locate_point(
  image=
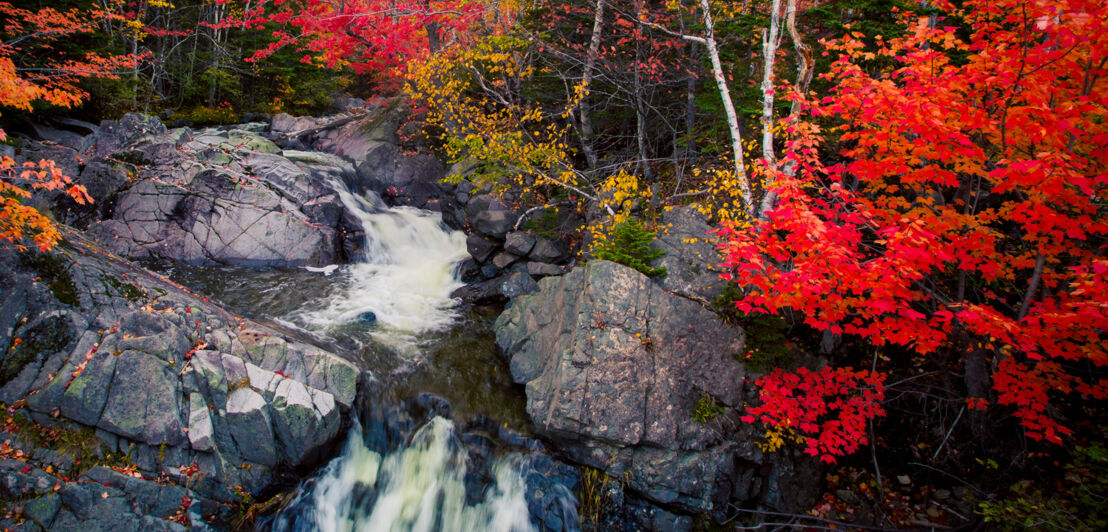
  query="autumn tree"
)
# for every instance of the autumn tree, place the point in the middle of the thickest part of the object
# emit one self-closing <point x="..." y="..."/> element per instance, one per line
<point x="51" y="81"/>
<point x="370" y="36"/>
<point x="963" y="220"/>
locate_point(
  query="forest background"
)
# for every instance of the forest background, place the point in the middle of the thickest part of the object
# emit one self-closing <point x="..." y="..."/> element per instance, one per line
<point x="914" y="192"/>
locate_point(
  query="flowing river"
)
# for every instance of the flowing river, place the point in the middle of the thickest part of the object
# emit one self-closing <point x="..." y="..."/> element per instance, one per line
<point x="392" y="313"/>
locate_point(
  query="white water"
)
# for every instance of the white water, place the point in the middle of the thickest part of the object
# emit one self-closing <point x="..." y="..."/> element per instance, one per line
<point x="419" y="488"/>
<point x="405" y="280"/>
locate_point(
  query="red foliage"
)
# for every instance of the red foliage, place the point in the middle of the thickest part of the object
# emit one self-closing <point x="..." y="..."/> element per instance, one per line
<point x="829" y="407"/>
<point x="370" y="36"/>
<point x="968" y="211"/>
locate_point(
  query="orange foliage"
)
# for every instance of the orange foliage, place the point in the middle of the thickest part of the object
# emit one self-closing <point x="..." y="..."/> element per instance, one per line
<point x="54" y="82"/>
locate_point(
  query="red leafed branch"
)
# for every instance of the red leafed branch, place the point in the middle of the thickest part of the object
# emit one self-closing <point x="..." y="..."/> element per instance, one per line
<point x="967" y="211"/>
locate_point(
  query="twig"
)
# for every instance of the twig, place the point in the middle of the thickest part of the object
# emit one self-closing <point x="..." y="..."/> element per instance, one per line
<point x="956" y="418"/>
<point x="940" y="471"/>
<point x="822" y="520"/>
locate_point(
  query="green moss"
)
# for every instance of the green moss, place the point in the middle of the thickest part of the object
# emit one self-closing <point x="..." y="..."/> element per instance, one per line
<point x="767" y="343"/>
<point x="78" y="442"/>
<point x="53" y="268"/>
<point x="127" y="290"/>
<point x="545" y="225"/>
<point x="1075" y="503"/>
<point x="27" y="346"/>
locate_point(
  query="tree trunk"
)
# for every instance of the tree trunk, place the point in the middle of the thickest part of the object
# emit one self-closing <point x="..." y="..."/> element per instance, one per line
<point x="728" y="109"/>
<point x="583" y="120"/>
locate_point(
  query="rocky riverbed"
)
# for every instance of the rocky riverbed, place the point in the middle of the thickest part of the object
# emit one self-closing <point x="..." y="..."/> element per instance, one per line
<point x="235" y="374"/>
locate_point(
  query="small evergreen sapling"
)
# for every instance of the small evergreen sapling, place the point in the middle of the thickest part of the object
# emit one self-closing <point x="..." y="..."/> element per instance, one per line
<point x="629" y="245"/>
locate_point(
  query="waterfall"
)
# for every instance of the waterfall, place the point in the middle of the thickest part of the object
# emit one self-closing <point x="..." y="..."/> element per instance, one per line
<point x="418" y="488"/>
<point x="399" y="292"/>
<point x="403" y="283"/>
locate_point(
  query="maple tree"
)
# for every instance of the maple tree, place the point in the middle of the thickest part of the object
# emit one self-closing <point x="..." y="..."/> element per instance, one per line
<point x="381" y="37"/>
<point x="52" y="81"/>
<point x="965" y="215"/>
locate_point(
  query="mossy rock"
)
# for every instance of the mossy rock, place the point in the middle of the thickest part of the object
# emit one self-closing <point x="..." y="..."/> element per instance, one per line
<point x="42" y="339"/>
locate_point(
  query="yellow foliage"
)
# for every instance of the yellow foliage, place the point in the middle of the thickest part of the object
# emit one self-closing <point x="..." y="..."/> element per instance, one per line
<point x="777" y="436"/>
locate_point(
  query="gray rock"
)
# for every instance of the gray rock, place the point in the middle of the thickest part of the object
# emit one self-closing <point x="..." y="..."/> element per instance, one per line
<point x="301" y="428"/>
<point x="144" y="401"/>
<point x="200" y="424"/>
<point x="543" y="269"/>
<point x="250" y="426"/>
<point x="614" y="366"/>
<point x="479" y="248"/>
<point x="547" y="250"/>
<point x="494" y="224"/>
<point x="519" y="243"/>
<point x="115" y="135"/>
<point x="503" y="260"/>
<point x="691" y="258"/>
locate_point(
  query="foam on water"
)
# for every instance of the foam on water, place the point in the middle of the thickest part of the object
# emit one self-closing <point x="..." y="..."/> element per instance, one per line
<point x="419" y="488"/>
<point x="404" y="282"/>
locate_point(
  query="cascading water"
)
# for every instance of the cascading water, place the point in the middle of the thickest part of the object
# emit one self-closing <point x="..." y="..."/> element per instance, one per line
<point x="421" y="487"/>
<point x="404" y="283"/>
<point x="403" y="287"/>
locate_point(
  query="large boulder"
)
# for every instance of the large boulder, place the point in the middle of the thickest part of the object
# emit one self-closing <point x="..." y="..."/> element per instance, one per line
<point x="161" y="375"/>
<point x="616" y="370"/>
<point x="214" y="197"/>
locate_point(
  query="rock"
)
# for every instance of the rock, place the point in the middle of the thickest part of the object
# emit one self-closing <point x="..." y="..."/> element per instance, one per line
<point x="519" y="243"/>
<point x="302" y="421"/>
<point x="249" y="422"/>
<point x="143" y="403"/>
<point x="114" y="135"/>
<point x="285" y="123"/>
<point x="691" y="257"/>
<point x="503" y="260"/>
<point x="128" y="367"/>
<point x="480" y="248"/>
<point x="614" y="367"/>
<point x="547" y="250"/>
<point x="494" y="224"/>
<point x="517" y="284"/>
<point x="542" y="269"/>
<point x="219" y="197"/>
<point x="498" y="290"/>
<point x="200" y="424"/>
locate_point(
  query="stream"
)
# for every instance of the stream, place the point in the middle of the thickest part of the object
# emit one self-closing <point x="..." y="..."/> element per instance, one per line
<point x="465" y="463"/>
